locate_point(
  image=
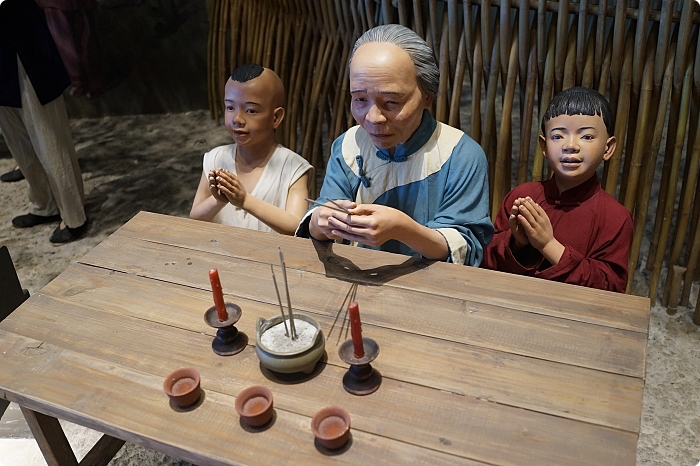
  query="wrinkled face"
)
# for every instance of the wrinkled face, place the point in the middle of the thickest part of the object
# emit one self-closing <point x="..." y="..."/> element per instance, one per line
<point x="386" y="99"/>
<point x="249" y="114"/>
<point x="574" y="146"/>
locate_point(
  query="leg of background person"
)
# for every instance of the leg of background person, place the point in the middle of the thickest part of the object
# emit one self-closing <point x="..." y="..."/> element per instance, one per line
<point x="18" y="142"/>
<point x="49" y="131"/>
<point x="61" y="24"/>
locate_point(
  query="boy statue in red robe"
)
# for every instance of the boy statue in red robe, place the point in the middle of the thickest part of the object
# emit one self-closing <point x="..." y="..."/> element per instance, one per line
<point x="567" y="228"/>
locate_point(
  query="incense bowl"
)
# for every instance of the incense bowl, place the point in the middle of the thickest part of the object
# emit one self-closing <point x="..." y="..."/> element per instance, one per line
<point x="286" y="362"/>
<point x="182" y="386"/>
<point x="254" y="404"/>
<point x="331" y="427"/>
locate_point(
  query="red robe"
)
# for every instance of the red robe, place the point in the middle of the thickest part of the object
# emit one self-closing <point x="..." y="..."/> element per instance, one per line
<point x="594" y="228"/>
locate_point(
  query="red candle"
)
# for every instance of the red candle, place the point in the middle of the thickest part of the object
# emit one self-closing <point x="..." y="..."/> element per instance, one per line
<point x="218" y="295"/>
<point x="356" y="329"/>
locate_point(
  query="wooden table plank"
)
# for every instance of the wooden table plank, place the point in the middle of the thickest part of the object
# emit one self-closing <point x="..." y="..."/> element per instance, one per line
<point x="512" y="291"/>
<point x="209" y="434"/>
<point x="577" y="393"/>
<point x="415" y="415"/>
<point x="524" y="333"/>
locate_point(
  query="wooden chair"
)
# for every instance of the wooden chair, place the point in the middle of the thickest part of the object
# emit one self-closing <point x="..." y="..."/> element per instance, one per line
<point x="12" y="295"/>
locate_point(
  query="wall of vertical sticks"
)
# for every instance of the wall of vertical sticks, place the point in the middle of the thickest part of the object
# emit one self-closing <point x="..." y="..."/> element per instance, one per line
<point x="501" y="63"/>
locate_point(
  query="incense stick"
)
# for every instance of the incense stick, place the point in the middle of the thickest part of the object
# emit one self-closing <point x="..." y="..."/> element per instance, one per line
<point x="289" y="301"/>
<point x="279" y="300"/>
<point x="338" y="209"/>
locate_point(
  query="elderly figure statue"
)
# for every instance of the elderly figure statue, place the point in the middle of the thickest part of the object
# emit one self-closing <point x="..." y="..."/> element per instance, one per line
<point x="411" y="185"/>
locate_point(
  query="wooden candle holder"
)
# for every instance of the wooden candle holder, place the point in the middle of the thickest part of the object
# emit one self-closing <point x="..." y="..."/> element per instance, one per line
<point x="361" y="378"/>
<point x="229" y="340"/>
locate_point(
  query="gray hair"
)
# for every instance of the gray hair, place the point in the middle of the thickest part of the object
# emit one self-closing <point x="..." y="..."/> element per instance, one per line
<point x="427" y="72"/>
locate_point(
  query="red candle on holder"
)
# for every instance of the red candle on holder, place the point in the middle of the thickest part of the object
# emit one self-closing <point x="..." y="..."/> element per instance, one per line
<point x="218" y="295"/>
<point x="356" y="330"/>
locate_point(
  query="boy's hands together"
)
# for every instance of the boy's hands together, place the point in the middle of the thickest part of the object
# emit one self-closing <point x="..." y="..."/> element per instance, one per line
<point x="520" y="239"/>
<point x="370" y="224"/>
<point x="228" y="186"/>
<point x="534" y="222"/>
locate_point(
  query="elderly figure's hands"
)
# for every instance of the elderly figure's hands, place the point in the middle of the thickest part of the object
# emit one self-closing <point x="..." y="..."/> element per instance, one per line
<point x="369" y="224"/>
<point x="319" y="227"/>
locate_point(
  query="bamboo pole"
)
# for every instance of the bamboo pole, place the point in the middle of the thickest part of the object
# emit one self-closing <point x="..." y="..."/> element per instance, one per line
<point x="645" y="192"/>
<point x="469" y="29"/>
<point x="490" y="120"/>
<point x="529" y="110"/>
<point x="640" y="44"/>
<point x="418" y="18"/>
<point x="501" y="185"/>
<point x="677" y="273"/>
<point x="618" y="48"/>
<point x="542" y="42"/>
<point x="670" y="194"/>
<point x="581" y="42"/>
<point x="588" y="73"/>
<point x="403" y="13"/>
<point x="569" y="76"/>
<point x="457" y="84"/>
<point x="524" y="32"/>
<point x="453" y="37"/>
<point x="600" y="42"/>
<point x="443" y="62"/>
<point x="641" y="131"/>
<point x="477" y="80"/>
<point x="684" y="30"/>
<point x="561" y="44"/>
<point x="605" y="71"/>
<point x="621" y="117"/>
<point x="487" y="36"/>
<point x="692" y="268"/>
<point x="538" y="167"/>
<point x="505" y="32"/>
<point x="387" y="12"/>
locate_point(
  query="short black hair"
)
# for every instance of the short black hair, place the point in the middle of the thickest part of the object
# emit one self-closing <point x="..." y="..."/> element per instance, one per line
<point x="245" y="73"/>
<point x="581" y="101"/>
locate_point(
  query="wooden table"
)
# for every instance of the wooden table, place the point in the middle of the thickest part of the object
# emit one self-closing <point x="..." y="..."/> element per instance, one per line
<point x="479" y="367"/>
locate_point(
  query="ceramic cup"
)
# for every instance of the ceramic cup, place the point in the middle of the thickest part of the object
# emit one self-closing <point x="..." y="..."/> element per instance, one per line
<point x="182" y="386"/>
<point x="254" y="404"/>
<point x="331" y="427"/>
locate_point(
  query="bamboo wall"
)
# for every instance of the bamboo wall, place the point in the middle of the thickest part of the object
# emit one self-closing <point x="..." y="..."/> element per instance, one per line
<point x="501" y="62"/>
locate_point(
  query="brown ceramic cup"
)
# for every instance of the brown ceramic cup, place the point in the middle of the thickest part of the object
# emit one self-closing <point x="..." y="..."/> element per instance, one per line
<point x="254" y="404"/>
<point x="182" y="386"/>
<point x="331" y="427"/>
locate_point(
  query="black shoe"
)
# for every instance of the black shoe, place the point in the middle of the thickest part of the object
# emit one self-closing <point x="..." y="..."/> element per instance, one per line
<point x="68" y="234"/>
<point x="14" y="175"/>
<point x="31" y="220"/>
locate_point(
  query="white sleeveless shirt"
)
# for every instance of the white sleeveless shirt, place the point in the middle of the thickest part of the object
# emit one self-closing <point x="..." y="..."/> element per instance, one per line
<point x="283" y="169"/>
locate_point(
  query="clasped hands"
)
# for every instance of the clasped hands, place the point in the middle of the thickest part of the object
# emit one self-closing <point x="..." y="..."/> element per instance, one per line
<point x="530" y="224"/>
<point x="370" y="224"/>
<point x="225" y="187"/>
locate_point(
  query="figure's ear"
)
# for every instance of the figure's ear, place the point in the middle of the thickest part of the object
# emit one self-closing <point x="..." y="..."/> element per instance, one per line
<point x="428" y="101"/>
<point x="543" y="145"/>
<point x="610" y="145"/>
<point x="277" y="117"/>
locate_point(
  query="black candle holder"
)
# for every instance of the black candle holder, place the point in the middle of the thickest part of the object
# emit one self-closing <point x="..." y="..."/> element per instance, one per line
<point x="229" y="340"/>
<point x="361" y="378"/>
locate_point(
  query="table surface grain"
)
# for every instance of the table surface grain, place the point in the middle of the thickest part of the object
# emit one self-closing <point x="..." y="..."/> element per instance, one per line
<point x="479" y="367"/>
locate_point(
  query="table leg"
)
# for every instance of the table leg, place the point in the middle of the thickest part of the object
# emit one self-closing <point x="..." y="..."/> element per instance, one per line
<point x="3" y="406"/>
<point x="50" y="437"/>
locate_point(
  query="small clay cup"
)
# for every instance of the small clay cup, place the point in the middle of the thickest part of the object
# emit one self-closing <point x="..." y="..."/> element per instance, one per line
<point x="331" y="427"/>
<point x="182" y="386"/>
<point x="254" y="404"/>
